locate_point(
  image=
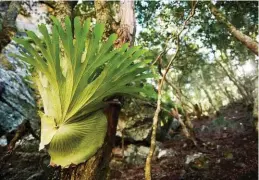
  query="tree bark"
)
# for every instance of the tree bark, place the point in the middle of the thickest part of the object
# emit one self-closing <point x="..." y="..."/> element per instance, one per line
<point x="246" y="40"/>
<point x="126" y="31"/>
<point x="103" y="15"/>
<point x="9" y="27"/>
<point x="61" y="9"/>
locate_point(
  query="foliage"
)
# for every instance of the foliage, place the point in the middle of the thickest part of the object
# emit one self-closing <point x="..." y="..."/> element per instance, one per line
<point x="77" y="72"/>
<point x="220" y="122"/>
<point x="203" y="44"/>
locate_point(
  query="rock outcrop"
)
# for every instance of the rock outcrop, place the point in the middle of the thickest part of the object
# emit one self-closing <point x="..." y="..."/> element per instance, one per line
<point x="17" y="102"/>
<point x="135" y="120"/>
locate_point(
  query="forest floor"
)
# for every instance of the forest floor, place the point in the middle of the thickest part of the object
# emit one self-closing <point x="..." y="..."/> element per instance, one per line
<point x="227" y="150"/>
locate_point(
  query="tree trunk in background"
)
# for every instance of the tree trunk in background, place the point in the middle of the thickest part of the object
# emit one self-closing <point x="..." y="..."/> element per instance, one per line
<point x="186" y="123"/>
<point x="242" y="89"/>
<point x="8" y="27"/>
<point x="189" y="125"/>
<point x="239" y="87"/>
<point x="245" y="85"/>
<point x="230" y="96"/>
<point x="126" y="31"/>
<point x="209" y="98"/>
<point x="97" y="167"/>
<point x="246" y="40"/>
<point x="225" y="91"/>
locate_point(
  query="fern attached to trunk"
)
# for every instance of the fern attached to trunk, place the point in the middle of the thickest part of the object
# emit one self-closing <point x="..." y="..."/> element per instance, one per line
<point x="77" y="71"/>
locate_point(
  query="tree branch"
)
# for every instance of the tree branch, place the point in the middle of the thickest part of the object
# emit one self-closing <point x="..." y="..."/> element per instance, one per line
<point x="158" y="109"/>
<point x="246" y="40"/>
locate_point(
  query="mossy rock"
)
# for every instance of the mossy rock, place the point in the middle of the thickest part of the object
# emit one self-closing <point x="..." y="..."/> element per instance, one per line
<point x="228" y="155"/>
<point x="5" y="64"/>
<point x="200" y="163"/>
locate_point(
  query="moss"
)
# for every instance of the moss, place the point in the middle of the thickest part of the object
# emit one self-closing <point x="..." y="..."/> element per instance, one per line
<point x="4" y="63"/>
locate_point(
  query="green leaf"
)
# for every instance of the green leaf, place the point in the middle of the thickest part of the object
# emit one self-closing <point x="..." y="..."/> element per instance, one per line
<point x="48" y="129"/>
<point x="73" y="143"/>
<point x="76" y="72"/>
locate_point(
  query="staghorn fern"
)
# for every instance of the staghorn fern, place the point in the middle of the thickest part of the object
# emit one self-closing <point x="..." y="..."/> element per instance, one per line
<point x="75" y="74"/>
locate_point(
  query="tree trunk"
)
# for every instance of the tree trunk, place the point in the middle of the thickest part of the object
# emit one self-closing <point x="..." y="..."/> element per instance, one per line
<point x="97" y="167"/>
<point x="246" y="40"/>
<point x="198" y="111"/>
<point x="209" y="98"/>
<point x="187" y="125"/>
<point x="239" y="87"/>
<point x="103" y="15"/>
<point x="126" y="31"/>
<point x="230" y="96"/>
<point x="61" y="9"/>
<point x="225" y="91"/>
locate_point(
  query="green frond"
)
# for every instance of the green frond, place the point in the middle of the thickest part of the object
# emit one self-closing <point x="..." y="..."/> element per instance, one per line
<point x="77" y="71"/>
<point x="78" y="141"/>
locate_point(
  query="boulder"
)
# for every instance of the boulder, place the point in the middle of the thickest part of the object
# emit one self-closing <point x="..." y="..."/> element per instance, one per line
<point x="17" y="102"/>
<point x="135" y="120"/>
<point x="136" y="154"/>
<point x="197" y="161"/>
<point x="166" y="153"/>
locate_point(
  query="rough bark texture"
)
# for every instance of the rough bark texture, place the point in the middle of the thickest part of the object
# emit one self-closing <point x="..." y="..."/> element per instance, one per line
<point x="104" y="15"/>
<point x="246" y="40"/>
<point x="102" y="11"/>
<point x="8" y="26"/>
<point x="127" y="29"/>
<point x="61" y="9"/>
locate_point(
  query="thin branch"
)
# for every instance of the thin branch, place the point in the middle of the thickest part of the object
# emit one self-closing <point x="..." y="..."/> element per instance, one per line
<point x="158" y="109"/>
<point x="179" y="94"/>
<point x="166" y="49"/>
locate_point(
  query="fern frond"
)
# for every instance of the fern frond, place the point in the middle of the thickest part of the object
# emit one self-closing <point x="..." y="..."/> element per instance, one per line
<point x="76" y="72"/>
